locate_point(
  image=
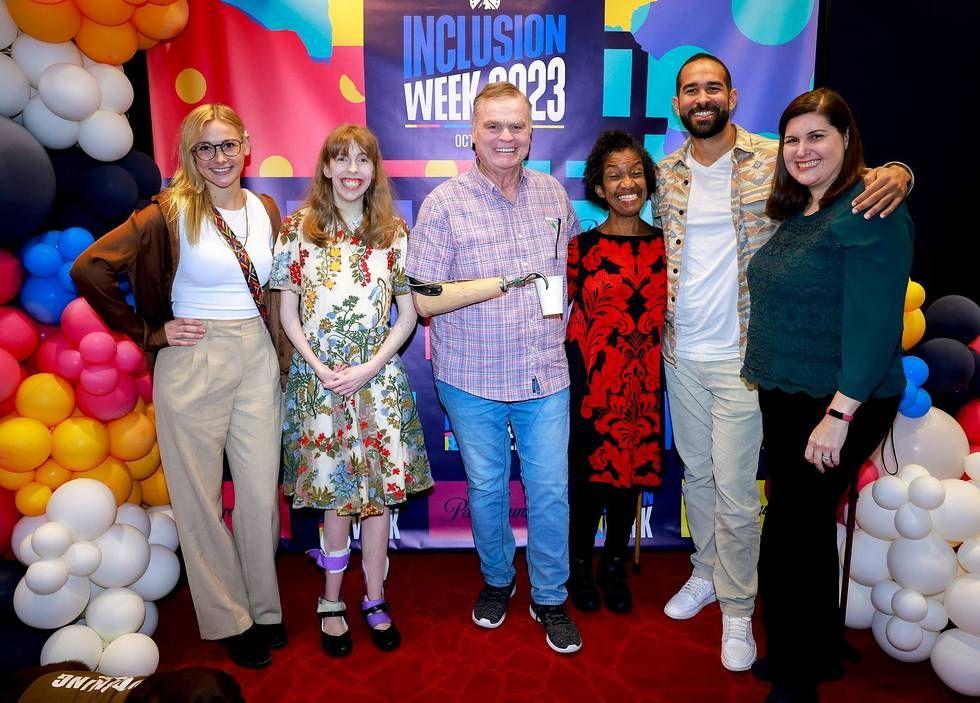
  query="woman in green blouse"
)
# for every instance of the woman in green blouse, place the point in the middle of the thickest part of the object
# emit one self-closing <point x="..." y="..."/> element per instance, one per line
<point x="824" y="348"/>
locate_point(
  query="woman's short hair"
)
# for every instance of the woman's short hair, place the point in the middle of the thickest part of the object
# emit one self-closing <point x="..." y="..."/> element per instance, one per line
<point x="788" y="197"/>
<point x="610" y="142"/>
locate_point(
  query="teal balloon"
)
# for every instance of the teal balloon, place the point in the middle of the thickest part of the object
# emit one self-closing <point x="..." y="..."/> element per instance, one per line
<point x="764" y="24"/>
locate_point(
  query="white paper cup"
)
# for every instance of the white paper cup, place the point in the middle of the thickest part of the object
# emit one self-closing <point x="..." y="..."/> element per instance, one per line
<point x="552" y="297"/>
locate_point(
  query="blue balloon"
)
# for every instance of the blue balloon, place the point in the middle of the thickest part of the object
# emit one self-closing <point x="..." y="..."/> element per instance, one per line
<point x="51" y="237"/>
<point x="124" y="285"/>
<point x="921" y="405"/>
<point x="916" y="370"/>
<point x="64" y="278"/>
<point x="131" y="301"/>
<point x="73" y="241"/>
<point x="44" y="299"/>
<point x="42" y="260"/>
<point x="908" y="396"/>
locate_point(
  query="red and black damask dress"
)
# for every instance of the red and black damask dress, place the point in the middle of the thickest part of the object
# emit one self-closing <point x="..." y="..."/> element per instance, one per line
<point x="617" y="286"/>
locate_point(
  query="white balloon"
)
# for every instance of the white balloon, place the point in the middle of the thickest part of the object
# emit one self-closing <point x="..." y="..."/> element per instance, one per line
<point x="963" y="603"/>
<point x="841" y="535"/>
<point x="134" y="654"/>
<point x="48" y="612"/>
<point x="25" y="529"/>
<point x="46" y="576"/>
<point x="69" y="91"/>
<point x="910" y="605"/>
<point x="925" y="565"/>
<point x="906" y="636"/>
<point x="869" y="561"/>
<point x="15" y="89"/>
<point x="51" y="540"/>
<point x="859" y="607"/>
<point x="83" y="505"/>
<point x="94" y="590"/>
<point x="27" y="554"/>
<point x="927" y="492"/>
<point x="34" y="55"/>
<point x="151" y="620"/>
<point x="163" y="530"/>
<point x="117" y="91"/>
<point x="936" y="618"/>
<point x="52" y="131"/>
<point x="73" y="643"/>
<point x="125" y="556"/>
<point x="910" y="472"/>
<point x="958" y="518"/>
<point x="134" y="515"/>
<point x="878" y="625"/>
<point x="882" y="594"/>
<point x="115" y="612"/>
<point x="971" y="465"/>
<point x="968" y="555"/>
<point x="912" y="522"/>
<point x="956" y="661"/>
<point x="871" y="517"/>
<point x="83" y="558"/>
<point x="935" y="440"/>
<point x="890" y="492"/>
<point x="165" y="509"/>
<point x="8" y="29"/>
<point x="105" y="136"/>
<point x="160" y="576"/>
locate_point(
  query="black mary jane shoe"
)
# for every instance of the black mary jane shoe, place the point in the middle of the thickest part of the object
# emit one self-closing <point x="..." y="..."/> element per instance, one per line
<point x="581" y="586"/>
<point x="334" y="645"/>
<point x="612" y="581"/>
<point x="376" y="612"/>
<point x="273" y="634"/>
<point x="248" y="650"/>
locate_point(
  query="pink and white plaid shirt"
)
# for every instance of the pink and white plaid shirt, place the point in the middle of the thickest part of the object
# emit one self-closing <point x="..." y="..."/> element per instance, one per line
<point x="501" y="349"/>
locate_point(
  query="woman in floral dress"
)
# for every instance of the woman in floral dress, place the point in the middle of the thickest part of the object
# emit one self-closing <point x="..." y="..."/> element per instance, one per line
<point x="352" y="439"/>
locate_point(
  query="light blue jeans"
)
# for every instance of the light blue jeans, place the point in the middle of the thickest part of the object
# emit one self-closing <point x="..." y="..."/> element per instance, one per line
<point x="540" y="427"/>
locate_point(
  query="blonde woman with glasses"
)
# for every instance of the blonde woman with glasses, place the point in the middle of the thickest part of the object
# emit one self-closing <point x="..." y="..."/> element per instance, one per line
<point x="199" y="258"/>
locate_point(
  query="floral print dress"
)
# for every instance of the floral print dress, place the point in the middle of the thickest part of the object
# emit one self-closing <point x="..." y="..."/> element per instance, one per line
<point x="360" y="453"/>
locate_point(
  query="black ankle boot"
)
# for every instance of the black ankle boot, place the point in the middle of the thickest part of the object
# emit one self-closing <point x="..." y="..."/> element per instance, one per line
<point x="581" y="586"/>
<point x="612" y="581"/>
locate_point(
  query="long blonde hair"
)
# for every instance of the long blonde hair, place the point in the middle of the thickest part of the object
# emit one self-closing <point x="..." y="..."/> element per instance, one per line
<point x="188" y="192"/>
<point x="322" y="223"/>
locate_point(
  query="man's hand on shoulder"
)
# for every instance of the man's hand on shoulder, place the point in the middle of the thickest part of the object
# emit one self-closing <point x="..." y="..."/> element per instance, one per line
<point x="885" y="188"/>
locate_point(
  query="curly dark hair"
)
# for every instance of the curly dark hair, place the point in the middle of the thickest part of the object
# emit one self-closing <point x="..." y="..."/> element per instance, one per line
<point x="609" y="142"/>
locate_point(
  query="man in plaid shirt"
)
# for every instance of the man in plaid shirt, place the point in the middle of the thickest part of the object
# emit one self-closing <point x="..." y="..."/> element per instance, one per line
<point x="497" y="361"/>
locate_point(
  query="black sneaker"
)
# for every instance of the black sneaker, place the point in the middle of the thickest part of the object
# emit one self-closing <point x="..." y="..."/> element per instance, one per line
<point x="491" y="605"/>
<point x="273" y="634"/>
<point x="248" y="650"/>
<point x="563" y="635"/>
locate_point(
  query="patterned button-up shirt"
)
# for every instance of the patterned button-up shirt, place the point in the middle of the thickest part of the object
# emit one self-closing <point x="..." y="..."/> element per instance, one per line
<point x="753" y="165"/>
<point x="500" y="349"/>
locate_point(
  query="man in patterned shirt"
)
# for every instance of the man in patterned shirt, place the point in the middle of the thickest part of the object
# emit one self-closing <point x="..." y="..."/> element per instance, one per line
<point x="710" y="201"/>
<point x="497" y="361"/>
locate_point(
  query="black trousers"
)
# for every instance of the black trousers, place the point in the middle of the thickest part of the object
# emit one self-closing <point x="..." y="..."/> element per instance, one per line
<point x="587" y="502"/>
<point x="798" y="564"/>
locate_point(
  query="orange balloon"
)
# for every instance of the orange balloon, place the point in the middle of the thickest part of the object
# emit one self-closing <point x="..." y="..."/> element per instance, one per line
<point x="107" y="12"/>
<point x="131" y="437"/>
<point x="114" y="474"/>
<point x="51" y="474"/>
<point x="145" y="466"/>
<point x="80" y="443"/>
<point x="151" y="414"/>
<point x="50" y="22"/>
<point x="155" y="489"/>
<point x="162" y="22"/>
<point x="112" y="45"/>
<point x="162" y="2"/>
<point x="136" y="3"/>
<point x="12" y="480"/>
<point x="136" y="495"/>
<point x="45" y="397"/>
<point x="24" y="444"/>
<point x="32" y="499"/>
<point x="145" y="43"/>
<point x="140" y="406"/>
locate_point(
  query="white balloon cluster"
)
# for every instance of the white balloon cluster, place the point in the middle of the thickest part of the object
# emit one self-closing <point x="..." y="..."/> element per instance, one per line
<point x="63" y="98"/>
<point x="908" y="580"/>
<point x="94" y="570"/>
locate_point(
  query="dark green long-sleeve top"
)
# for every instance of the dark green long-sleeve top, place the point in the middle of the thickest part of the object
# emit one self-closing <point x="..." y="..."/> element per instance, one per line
<point x="828" y="293"/>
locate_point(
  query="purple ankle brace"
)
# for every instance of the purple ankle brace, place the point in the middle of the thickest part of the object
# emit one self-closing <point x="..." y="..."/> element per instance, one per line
<point x="327" y="562"/>
<point x="379" y="616"/>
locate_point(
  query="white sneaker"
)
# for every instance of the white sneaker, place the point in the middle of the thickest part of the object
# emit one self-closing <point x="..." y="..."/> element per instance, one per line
<point x="693" y="596"/>
<point x="737" y="643"/>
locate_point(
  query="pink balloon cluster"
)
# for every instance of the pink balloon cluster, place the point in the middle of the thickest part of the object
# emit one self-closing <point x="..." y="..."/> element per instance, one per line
<point x="109" y="370"/>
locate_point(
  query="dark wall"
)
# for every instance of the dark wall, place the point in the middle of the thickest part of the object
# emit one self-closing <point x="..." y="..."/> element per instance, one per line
<point x="909" y="72"/>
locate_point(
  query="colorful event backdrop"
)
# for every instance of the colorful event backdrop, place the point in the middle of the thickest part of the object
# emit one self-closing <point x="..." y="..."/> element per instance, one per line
<point x="409" y="70"/>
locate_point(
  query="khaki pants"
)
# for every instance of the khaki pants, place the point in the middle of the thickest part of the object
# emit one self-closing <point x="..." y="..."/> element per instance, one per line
<point x="718" y="432"/>
<point x="222" y="395"/>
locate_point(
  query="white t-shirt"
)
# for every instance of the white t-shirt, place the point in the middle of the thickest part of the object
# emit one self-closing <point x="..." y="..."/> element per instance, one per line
<point x="209" y="284"/>
<point x="706" y="314"/>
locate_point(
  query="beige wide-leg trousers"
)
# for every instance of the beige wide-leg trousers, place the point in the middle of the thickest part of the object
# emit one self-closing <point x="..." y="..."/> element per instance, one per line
<point x="222" y="395"/>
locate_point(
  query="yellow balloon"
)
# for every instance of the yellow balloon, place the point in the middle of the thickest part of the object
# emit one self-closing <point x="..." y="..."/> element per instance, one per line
<point x="32" y="499"/>
<point x="114" y="474"/>
<point x="13" y="480"/>
<point x="80" y="443"/>
<point x="24" y="444"/>
<point x="155" y="489"/>
<point x="45" y="397"/>
<point x="136" y="495"/>
<point x="144" y="467"/>
<point x="151" y="414"/>
<point x="913" y="329"/>
<point x="140" y="406"/>
<point x="915" y="295"/>
<point x="51" y="474"/>
<point x="131" y="436"/>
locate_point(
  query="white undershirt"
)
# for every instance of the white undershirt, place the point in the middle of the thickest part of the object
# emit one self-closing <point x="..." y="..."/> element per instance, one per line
<point x="706" y="317"/>
<point x="209" y="284"/>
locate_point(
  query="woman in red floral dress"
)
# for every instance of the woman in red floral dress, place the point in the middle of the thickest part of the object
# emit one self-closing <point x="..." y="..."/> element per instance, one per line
<point x="617" y="286"/>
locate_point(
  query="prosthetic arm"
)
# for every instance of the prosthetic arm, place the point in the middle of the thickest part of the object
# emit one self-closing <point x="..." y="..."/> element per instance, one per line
<point x="437" y="298"/>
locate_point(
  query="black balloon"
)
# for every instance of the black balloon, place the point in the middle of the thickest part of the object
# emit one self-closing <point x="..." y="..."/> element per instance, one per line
<point x="144" y="171"/>
<point x="109" y="192"/>
<point x="69" y="165"/>
<point x="951" y="365"/>
<point x="953" y="316"/>
<point x="74" y="214"/>
<point x="27" y="184"/>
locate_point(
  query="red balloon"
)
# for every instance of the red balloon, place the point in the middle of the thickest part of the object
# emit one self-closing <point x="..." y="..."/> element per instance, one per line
<point x="144" y="384"/>
<point x="97" y="348"/>
<point x="18" y="333"/>
<point x="70" y="364"/>
<point x="111" y="406"/>
<point x="79" y="319"/>
<point x="9" y="515"/>
<point x="46" y="356"/>
<point x="969" y="419"/>
<point x="11" y="276"/>
<point x="99" y="379"/>
<point x="10" y="375"/>
<point x="867" y="473"/>
<point x="129" y="357"/>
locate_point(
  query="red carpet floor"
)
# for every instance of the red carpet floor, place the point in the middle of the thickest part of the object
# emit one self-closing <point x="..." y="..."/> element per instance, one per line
<point x="444" y="657"/>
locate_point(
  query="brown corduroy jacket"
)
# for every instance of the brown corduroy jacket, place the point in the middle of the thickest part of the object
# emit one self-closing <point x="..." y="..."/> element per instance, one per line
<point x="146" y="247"/>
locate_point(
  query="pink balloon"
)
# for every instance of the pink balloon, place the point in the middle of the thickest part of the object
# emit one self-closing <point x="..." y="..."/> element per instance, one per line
<point x="97" y="348"/>
<point x="129" y="357"/>
<point x="70" y="364"/>
<point x="144" y="384"/>
<point x="99" y="379"/>
<point x="10" y="375"/>
<point x="46" y="356"/>
<point x="47" y="331"/>
<point x="111" y="406"/>
<point x="79" y="319"/>
<point x="18" y="332"/>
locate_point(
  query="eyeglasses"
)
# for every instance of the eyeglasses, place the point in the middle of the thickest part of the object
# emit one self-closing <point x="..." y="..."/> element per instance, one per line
<point x="206" y="151"/>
